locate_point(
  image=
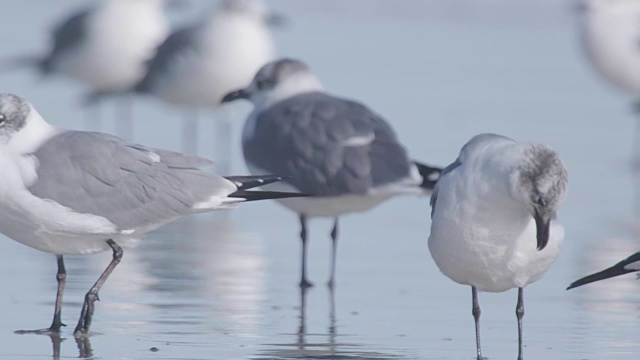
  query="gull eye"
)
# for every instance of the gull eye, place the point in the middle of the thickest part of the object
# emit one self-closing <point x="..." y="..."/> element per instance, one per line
<point x="264" y="84"/>
<point x="3" y="119"/>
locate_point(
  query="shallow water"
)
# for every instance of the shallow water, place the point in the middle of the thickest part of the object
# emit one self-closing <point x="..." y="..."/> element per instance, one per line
<point x="223" y="285"/>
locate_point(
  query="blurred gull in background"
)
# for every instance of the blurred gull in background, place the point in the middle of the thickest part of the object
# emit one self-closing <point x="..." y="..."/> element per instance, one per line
<point x="611" y="36"/>
<point x="75" y="193"/>
<point x="106" y="47"/>
<point x="197" y="65"/>
<point x="338" y="150"/>
<point x="494" y="222"/>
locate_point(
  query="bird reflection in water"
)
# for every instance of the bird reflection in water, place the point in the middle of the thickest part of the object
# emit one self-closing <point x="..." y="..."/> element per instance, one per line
<point x="84" y="346"/>
<point x="305" y="346"/>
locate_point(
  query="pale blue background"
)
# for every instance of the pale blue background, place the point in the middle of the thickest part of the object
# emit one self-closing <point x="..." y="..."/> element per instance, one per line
<point x="223" y="286"/>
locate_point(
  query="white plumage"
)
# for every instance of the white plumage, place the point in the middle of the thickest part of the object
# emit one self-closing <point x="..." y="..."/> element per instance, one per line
<point x="493" y="217"/>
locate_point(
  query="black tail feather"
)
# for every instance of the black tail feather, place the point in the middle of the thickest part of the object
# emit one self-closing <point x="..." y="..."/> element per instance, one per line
<point x="249" y="182"/>
<point x="616" y="270"/>
<point x="264" y="195"/>
<point x="430" y="175"/>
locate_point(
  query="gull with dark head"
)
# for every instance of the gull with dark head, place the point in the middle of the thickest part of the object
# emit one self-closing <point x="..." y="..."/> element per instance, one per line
<point x="493" y="215"/>
<point x="197" y="65"/>
<point x="338" y="150"/>
<point x="72" y="192"/>
<point x="106" y="47"/>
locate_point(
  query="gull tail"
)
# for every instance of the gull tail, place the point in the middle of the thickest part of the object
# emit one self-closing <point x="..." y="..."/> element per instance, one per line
<point x="430" y="175"/>
<point x="249" y="182"/>
<point x="264" y="195"/>
<point x="623" y="267"/>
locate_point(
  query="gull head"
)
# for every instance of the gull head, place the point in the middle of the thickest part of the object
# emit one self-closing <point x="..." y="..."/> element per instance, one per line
<point x="14" y="114"/>
<point x="541" y="182"/>
<point x="255" y="10"/>
<point x="276" y="81"/>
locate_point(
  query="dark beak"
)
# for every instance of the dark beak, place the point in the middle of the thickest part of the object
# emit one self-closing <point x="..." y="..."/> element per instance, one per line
<point x="615" y="270"/>
<point x="543" y="225"/>
<point x="276" y="20"/>
<point x="235" y="95"/>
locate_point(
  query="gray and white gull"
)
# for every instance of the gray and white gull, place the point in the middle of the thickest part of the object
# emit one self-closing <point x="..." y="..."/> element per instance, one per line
<point x="73" y="192"/>
<point x="338" y="150"/>
<point x="494" y="224"/>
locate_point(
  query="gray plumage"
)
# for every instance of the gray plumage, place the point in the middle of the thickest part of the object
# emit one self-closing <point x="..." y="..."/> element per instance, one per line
<point x="544" y="176"/>
<point x="306" y="137"/>
<point x="65" y="37"/>
<point x="130" y="185"/>
<point x="176" y="45"/>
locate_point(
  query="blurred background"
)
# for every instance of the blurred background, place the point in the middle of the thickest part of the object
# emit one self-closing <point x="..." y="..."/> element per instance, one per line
<point x="224" y="285"/>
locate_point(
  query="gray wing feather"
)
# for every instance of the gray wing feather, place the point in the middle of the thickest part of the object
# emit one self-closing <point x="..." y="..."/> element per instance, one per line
<point x="445" y="171"/>
<point x="130" y="185"/>
<point x="66" y="36"/>
<point x="306" y="139"/>
<point x="177" y="44"/>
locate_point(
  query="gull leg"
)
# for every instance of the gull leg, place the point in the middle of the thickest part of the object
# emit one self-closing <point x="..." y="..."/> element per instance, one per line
<point x="334" y="246"/>
<point x="56" y="324"/>
<point x="190" y="133"/>
<point x="222" y="150"/>
<point x="93" y="120"/>
<point x="476" y="316"/>
<point x="520" y="315"/>
<point x="304" y="283"/>
<point x="84" y="323"/>
<point x="124" y="120"/>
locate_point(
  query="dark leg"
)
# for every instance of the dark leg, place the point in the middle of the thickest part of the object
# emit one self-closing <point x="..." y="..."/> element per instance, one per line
<point x="334" y="246"/>
<point x="520" y="315"/>
<point x="303" y="236"/>
<point x="124" y="121"/>
<point x="61" y="277"/>
<point x="222" y="138"/>
<point x="476" y="316"/>
<point x="89" y="300"/>
<point x="93" y="121"/>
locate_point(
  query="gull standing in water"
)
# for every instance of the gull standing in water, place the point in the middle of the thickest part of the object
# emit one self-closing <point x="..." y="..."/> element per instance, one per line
<point x="338" y="150"/>
<point x="73" y="192"/>
<point x="610" y="32"/>
<point x="493" y="218"/>
<point x="628" y="265"/>
<point x="196" y="66"/>
<point x="106" y="47"/>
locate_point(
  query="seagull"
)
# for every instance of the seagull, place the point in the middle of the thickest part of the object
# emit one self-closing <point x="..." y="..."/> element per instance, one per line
<point x="197" y="65"/>
<point x="106" y="46"/>
<point x="628" y="265"/>
<point x="74" y="193"/>
<point x="338" y="150"/>
<point x="493" y="218"/>
<point x="611" y="38"/>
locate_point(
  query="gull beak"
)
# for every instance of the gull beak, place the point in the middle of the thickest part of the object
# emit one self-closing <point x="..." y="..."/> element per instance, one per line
<point x="543" y="224"/>
<point x="276" y="20"/>
<point x="617" y="269"/>
<point x="235" y="95"/>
